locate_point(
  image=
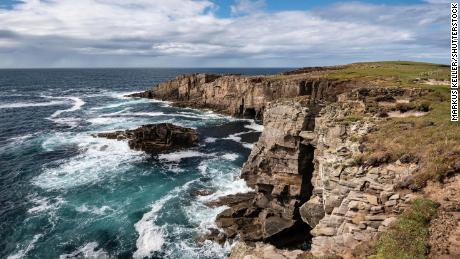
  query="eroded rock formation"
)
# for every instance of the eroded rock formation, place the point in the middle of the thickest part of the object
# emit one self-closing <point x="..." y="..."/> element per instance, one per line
<point x="155" y="138"/>
<point x="309" y="189"/>
<point x="241" y="96"/>
<point x="279" y="168"/>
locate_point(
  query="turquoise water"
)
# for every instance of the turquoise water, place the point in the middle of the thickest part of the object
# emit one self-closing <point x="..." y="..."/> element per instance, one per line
<point x="65" y="194"/>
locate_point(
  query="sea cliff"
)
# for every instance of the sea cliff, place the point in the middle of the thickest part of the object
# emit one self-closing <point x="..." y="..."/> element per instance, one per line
<point x="321" y="185"/>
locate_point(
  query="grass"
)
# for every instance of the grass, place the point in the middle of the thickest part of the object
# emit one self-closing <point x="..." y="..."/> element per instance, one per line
<point x="432" y="138"/>
<point x="394" y="73"/>
<point x="407" y="238"/>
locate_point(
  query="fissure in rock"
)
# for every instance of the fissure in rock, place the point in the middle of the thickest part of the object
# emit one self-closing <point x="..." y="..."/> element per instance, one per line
<point x="298" y="236"/>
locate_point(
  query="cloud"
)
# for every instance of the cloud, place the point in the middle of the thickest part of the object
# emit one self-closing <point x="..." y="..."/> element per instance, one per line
<point x="247" y="6"/>
<point x="189" y="33"/>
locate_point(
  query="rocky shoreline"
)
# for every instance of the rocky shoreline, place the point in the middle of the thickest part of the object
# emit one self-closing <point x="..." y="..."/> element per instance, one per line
<point x="311" y="192"/>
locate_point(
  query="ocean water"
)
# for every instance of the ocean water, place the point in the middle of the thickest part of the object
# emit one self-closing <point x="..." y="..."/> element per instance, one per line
<point x="65" y="194"/>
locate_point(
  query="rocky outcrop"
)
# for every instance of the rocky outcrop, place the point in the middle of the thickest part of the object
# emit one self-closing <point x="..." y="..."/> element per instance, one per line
<point x="279" y="168"/>
<point x="241" y="96"/>
<point x="155" y="138"/>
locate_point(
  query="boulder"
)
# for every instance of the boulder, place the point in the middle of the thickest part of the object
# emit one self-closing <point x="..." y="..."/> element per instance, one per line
<point x="312" y="212"/>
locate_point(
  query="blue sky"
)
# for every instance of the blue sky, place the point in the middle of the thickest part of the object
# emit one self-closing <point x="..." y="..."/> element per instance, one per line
<point x="220" y="33"/>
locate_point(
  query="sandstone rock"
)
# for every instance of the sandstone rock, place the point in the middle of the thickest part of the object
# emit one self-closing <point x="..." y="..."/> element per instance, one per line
<point x="262" y="251"/>
<point x="389" y="221"/>
<point x="241" y="96"/>
<point x="155" y="138"/>
<point x="394" y="197"/>
<point x="376" y="217"/>
<point x="312" y="212"/>
<point x="274" y="225"/>
<point x="372" y="199"/>
<point x="390" y="203"/>
<point x="326" y="231"/>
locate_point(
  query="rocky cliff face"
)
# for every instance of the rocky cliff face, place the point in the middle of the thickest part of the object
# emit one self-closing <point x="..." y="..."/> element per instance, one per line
<point x="351" y="202"/>
<point x="305" y="174"/>
<point x="279" y="168"/>
<point x="241" y="96"/>
<point x="310" y="189"/>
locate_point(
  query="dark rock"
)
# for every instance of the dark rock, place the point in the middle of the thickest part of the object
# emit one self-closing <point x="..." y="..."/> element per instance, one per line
<point x="155" y="138"/>
<point x="385" y="98"/>
<point x="202" y="192"/>
<point x="378" y="159"/>
<point x="408" y="158"/>
<point x="381" y="114"/>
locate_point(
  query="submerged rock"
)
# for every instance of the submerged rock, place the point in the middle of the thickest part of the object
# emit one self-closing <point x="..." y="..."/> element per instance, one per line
<point x="155" y="138"/>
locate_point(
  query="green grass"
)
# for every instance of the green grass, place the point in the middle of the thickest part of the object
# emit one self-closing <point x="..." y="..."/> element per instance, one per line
<point x="395" y="73"/>
<point x="433" y="138"/>
<point x="407" y="238"/>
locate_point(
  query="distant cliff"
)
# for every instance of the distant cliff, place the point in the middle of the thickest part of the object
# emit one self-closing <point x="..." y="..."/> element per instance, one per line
<point x="242" y="96"/>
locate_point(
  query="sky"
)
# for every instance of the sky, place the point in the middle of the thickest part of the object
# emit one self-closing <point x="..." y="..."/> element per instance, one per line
<point x="220" y="33"/>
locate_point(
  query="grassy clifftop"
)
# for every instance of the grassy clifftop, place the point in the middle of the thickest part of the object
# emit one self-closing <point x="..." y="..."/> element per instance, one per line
<point x="416" y="129"/>
<point x="393" y="73"/>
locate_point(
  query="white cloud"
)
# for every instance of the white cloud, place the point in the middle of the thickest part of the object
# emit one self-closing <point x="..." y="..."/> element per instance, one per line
<point x="188" y="33"/>
<point x="247" y="6"/>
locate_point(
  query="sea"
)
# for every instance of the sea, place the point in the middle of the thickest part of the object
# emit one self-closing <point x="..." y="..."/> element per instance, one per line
<point x="67" y="194"/>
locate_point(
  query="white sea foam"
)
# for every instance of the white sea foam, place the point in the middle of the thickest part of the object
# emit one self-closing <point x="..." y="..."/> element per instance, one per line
<point x="94" y="209"/>
<point x="224" y="178"/>
<point x="230" y="156"/>
<point x="24" y="105"/>
<point x="210" y="140"/>
<point x="235" y="137"/>
<point x="177" y="156"/>
<point x="23" y="252"/>
<point x="88" y="250"/>
<point x="70" y="121"/>
<point x="21" y="139"/>
<point x="248" y="145"/>
<point x="99" y="158"/>
<point x="151" y="237"/>
<point x="255" y="126"/>
<point x="44" y="204"/>
<point x="116" y="113"/>
<point x="146" y="114"/>
<point x="77" y="104"/>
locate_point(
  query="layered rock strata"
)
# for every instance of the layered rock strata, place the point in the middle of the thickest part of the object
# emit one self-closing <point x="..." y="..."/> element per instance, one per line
<point x="241" y="96"/>
<point x="310" y="189"/>
<point x="279" y="169"/>
<point x="350" y="202"/>
<point x="306" y="175"/>
<point x="155" y="138"/>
